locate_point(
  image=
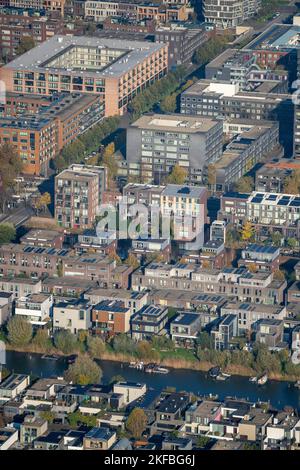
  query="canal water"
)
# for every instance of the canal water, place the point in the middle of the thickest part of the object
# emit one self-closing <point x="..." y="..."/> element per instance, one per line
<point x="279" y="394"/>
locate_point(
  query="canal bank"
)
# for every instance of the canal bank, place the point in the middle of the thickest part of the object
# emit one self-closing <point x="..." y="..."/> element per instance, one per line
<point x="279" y="393"/>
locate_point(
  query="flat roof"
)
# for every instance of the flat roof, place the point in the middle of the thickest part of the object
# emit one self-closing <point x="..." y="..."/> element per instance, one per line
<point x="184" y="191"/>
<point x="175" y="123"/>
<point x="37" y="58"/>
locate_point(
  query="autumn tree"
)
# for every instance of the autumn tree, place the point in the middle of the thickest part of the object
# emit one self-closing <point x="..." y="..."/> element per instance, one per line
<point x="132" y="261"/>
<point x="276" y="238"/>
<point x="178" y="175"/>
<point x="211" y="175"/>
<point x="169" y="103"/>
<point x="292" y="183"/>
<point x="244" y="185"/>
<point x="65" y="341"/>
<point x="247" y="231"/>
<point x="136" y="422"/>
<point x="19" y="331"/>
<point x="278" y="275"/>
<point x="26" y="43"/>
<point x="43" y="201"/>
<point x="83" y="371"/>
<point x="10" y="167"/>
<point x="114" y="256"/>
<point x="41" y="340"/>
<point x="7" y="233"/>
<point x="109" y="161"/>
<point x="95" y="346"/>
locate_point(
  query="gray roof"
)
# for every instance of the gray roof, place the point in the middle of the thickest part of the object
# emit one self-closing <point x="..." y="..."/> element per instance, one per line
<point x="37" y="58"/>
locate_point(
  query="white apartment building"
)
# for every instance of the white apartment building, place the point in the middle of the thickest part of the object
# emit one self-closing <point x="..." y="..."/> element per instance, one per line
<point x="35" y="308"/>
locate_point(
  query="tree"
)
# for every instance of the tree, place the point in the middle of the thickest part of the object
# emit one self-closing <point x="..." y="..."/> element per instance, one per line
<point x="276" y="238"/>
<point x="292" y="183"/>
<point x="132" y="261"/>
<point x="292" y="242"/>
<point x="123" y="344"/>
<point x="278" y="275"/>
<point x="65" y="341"/>
<point x="247" y="231"/>
<point x="114" y="256"/>
<point x="26" y="43"/>
<point x="136" y="422"/>
<point x="41" y="340"/>
<point x="202" y="441"/>
<point x="43" y="201"/>
<point x="83" y="371"/>
<point x="47" y="415"/>
<point x="211" y="175"/>
<point x="116" y="378"/>
<point x="109" y="161"/>
<point x="7" y="233"/>
<point x="169" y="103"/>
<point x="178" y="175"/>
<point x="10" y="167"/>
<point x="19" y="331"/>
<point x="96" y="346"/>
<point x="145" y="351"/>
<point x="204" y="340"/>
<point x="244" y="185"/>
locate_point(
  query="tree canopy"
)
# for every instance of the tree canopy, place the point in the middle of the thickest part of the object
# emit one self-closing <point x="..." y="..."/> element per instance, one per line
<point x="136" y="422"/>
<point x="178" y="175"/>
<point x="7" y="233"/>
<point x="83" y="371"/>
<point x="19" y="331"/>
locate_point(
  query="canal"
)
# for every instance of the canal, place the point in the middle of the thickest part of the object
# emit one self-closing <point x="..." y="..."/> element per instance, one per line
<point x="279" y="393"/>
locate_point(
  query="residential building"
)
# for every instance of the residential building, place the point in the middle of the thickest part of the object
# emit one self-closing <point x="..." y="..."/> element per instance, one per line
<point x="269" y="332"/>
<point x="260" y="257"/>
<point x="73" y="315"/>
<point x="15" y="26"/>
<point x="293" y="292"/>
<point x="6" y="302"/>
<point x="188" y="206"/>
<point x="151" y="320"/>
<point x="32" y="261"/>
<point x="131" y="300"/>
<point x="244" y="152"/>
<point x="144" y="249"/>
<point x="110" y="317"/>
<point x="170" y="412"/>
<point x="157" y="143"/>
<point x="35" y="308"/>
<point x="213" y="99"/>
<point x="43" y="238"/>
<point x="8" y="436"/>
<point x="213" y="255"/>
<point x="253" y="426"/>
<point x="38" y="138"/>
<point x="237" y="283"/>
<point x="147" y="194"/>
<point x="183" y="40"/>
<point x="184" y="329"/>
<point x="131" y="391"/>
<point x="282" y="431"/>
<point x="100" y="269"/>
<point x="13" y="386"/>
<point x="240" y="66"/>
<point x="99" y="439"/>
<point x="78" y="195"/>
<point x="267" y="211"/>
<point x="91" y="241"/>
<point x="248" y="315"/>
<point x="270" y="178"/>
<point x="224" y="331"/>
<point x="230" y="13"/>
<point x="52" y="441"/>
<point x="199" y="415"/>
<point x="20" y="287"/>
<point x="31" y="429"/>
<point x="114" y="69"/>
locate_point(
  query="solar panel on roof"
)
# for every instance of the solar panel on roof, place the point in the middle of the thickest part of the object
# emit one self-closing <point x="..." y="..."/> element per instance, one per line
<point x="282" y="202"/>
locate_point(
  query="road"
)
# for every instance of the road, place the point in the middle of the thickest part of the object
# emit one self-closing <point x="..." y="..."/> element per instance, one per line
<point x="18" y="216"/>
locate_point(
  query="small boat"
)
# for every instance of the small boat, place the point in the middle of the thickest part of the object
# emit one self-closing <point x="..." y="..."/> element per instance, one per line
<point x="222" y="376"/>
<point x="137" y="365"/>
<point x="50" y="357"/>
<point x="160" y="370"/>
<point x="71" y="359"/>
<point x="253" y="379"/>
<point x="262" y="379"/>
<point x="214" y="372"/>
<point x="297" y="384"/>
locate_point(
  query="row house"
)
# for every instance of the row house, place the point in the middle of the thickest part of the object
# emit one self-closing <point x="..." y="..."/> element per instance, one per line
<point x="238" y="283"/>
